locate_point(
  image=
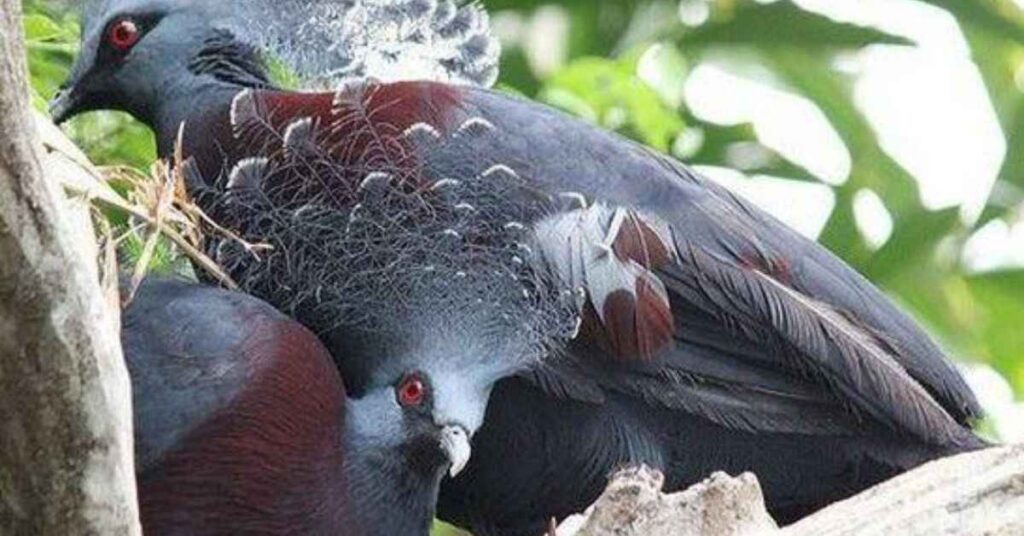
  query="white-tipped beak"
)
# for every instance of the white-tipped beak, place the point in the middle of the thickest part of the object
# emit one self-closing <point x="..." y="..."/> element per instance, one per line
<point x="455" y="443"/>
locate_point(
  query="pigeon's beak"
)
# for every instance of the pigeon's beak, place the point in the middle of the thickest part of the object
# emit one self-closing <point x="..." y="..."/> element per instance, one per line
<point x="76" y="93"/>
<point x="455" y="444"/>
<point x="64" y="105"/>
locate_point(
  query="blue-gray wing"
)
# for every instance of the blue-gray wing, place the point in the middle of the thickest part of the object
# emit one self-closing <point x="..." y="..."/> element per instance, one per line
<point x="695" y="299"/>
<point x="186" y="350"/>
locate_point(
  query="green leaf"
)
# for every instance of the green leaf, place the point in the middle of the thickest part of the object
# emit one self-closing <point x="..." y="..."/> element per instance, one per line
<point x="1008" y="192"/>
<point x="39" y="27"/>
<point x="281" y="75"/>
<point x="515" y="72"/>
<point x="913" y="243"/>
<point x="596" y="28"/>
<point x="721" y="144"/>
<point x="664" y="69"/>
<point x="782" y="23"/>
<point x="610" y="93"/>
<point x="114" y="138"/>
<point x="996" y="320"/>
<point x="812" y="75"/>
<point x="443" y="529"/>
<point x="998" y="60"/>
<point x="998" y="17"/>
<point x="166" y="261"/>
<point x="50" y="32"/>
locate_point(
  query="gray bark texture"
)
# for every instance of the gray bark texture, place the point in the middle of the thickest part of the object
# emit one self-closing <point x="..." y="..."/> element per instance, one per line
<point x="634" y="505"/>
<point x="980" y="493"/>
<point x="66" y="460"/>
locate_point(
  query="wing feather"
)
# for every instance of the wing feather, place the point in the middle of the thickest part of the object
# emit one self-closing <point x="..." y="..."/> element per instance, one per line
<point x="758" y="317"/>
<point x="815" y="340"/>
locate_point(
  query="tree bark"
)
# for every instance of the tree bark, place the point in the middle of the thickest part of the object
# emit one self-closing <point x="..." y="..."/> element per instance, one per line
<point x="633" y="505"/>
<point x="66" y="458"/>
<point x="975" y="493"/>
<point x="979" y="493"/>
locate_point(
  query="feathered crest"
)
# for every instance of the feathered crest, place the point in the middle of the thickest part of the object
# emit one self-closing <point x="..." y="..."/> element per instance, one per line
<point x="368" y="236"/>
<point x="330" y="43"/>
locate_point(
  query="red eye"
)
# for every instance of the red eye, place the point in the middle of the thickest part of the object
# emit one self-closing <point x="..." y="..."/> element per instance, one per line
<point x="123" y="35"/>
<point x="411" y="391"/>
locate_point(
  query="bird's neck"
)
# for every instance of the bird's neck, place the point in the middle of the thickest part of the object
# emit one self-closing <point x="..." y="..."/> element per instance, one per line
<point x="222" y="68"/>
<point x="186" y="105"/>
<point x="393" y="471"/>
<point x="388" y="496"/>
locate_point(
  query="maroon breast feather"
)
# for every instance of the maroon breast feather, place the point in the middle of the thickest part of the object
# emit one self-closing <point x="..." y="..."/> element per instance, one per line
<point x="266" y="462"/>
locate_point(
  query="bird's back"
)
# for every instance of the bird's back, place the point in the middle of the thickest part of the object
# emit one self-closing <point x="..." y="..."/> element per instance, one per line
<point x="238" y="416"/>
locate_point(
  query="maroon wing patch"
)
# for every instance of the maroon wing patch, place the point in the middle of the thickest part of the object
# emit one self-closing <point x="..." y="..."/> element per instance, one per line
<point x="608" y="255"/>
<point x="371" y="127"/>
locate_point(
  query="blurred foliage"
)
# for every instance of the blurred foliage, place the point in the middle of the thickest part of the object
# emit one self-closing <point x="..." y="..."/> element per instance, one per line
<point x="610" y="92"/>
<point x="623" y="65"/>
<point x="976" y="315"/>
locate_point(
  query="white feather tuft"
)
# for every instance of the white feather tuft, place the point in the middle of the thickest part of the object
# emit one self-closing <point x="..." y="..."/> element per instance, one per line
<point x="247" y="174"/>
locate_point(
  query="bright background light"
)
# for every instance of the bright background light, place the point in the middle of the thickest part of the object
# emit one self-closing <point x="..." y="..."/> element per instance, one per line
<point x="927" y="103"/>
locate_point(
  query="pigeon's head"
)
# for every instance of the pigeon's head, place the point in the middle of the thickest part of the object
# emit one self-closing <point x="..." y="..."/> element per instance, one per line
<point x="406" y="419"/>
<point x="136" y="56"/>
<point x="398" y="451"/>
<point x="158" y="59"/>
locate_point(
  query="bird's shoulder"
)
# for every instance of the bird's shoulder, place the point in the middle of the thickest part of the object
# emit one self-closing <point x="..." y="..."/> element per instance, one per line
<point x="197" y="354"/>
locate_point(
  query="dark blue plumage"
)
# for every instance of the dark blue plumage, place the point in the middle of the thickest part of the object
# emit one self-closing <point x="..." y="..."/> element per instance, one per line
<point x="462" y="230"/>
<point x="778" y="358"/>
<point x="242" y="426"/>
<point x="538" y="457"/>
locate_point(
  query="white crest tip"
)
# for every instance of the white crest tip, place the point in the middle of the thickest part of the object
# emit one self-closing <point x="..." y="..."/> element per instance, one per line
<point x="499" y="168"/>
<point x="247" y="173"/>
<point x="421" y="129"/>
<point x="299" y="133"/>
<point x="475" y="124"/>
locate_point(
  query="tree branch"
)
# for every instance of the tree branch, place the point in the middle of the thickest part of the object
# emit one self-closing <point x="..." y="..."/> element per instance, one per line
<point x="66" y="458"/>
<point x="970" y="494"/>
